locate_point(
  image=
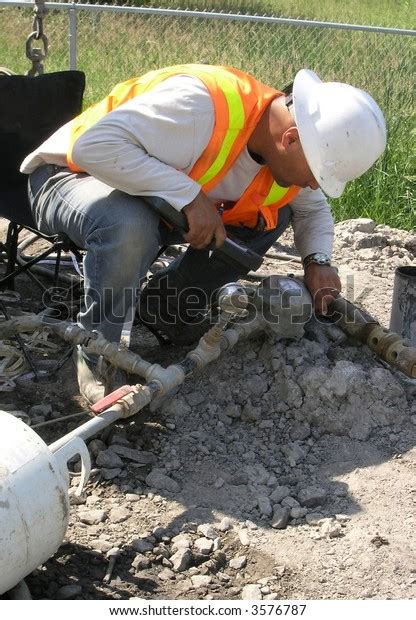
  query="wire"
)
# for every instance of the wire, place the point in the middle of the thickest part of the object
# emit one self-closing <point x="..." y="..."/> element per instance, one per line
<point x="64" y="417"/>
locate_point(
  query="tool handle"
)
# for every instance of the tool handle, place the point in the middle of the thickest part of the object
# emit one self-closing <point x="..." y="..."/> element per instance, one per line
<point x="230" y="251"/>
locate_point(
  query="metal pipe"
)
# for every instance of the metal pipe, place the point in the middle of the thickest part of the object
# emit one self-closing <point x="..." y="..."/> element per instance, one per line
<point x="403" y="307"/>
<point x="72" y="36"/>
<point x="90" y="428"/>
<point x="388" y="345"/>
<point x="94" y="343"/>
<point x="262" y="19"/>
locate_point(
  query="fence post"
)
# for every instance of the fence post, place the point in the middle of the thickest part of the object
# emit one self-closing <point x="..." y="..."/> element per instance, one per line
<point x="72" y="36"/>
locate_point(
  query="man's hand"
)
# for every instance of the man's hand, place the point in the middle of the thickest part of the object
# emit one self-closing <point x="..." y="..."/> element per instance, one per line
<point x="204" y="223"/>
<point x="324" y="285"/>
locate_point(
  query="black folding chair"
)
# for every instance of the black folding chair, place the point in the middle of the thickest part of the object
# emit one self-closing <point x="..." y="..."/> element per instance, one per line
<point x="31" y="109"/>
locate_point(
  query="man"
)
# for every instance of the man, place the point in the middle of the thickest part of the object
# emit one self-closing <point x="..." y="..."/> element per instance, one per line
<point x="233" y="154"/>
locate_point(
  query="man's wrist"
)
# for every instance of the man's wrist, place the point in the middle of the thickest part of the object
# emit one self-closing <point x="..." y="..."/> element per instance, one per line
<point x="317" y="258"/>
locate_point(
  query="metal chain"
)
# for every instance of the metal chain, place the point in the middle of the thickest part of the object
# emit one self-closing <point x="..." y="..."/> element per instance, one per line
<point x="37" y="54"/>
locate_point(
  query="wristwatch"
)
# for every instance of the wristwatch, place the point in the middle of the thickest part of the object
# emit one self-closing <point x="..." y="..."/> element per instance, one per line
<point x="319" y="258"/>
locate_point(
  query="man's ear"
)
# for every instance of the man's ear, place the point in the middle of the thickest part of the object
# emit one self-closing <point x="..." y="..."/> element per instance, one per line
<point x="290" y="136"/>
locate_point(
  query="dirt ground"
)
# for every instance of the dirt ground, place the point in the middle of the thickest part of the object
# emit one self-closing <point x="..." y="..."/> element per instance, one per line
<point x="285" y="470"/>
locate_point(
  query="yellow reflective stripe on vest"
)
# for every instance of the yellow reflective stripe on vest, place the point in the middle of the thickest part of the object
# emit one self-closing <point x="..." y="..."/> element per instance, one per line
<point x="275" y="194"/>
<point x="236" y="119"/>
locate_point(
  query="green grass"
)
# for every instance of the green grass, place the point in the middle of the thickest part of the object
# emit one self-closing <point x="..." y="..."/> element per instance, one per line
<point x="389" y="13"/>
<point x="114" y="48"/>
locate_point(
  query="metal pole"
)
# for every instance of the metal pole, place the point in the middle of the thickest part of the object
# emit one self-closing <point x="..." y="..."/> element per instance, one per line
<point x="403" y="308"/>
<point x="261" y="19"/>
<point x="72" y="37"/>
<point x="90" y="428"/>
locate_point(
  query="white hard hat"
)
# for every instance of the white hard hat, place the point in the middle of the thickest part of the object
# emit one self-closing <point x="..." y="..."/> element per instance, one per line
<point x="341" y="129"/>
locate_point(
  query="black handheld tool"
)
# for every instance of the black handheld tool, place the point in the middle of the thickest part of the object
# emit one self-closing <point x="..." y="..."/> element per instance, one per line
<point x="230" y="251"/>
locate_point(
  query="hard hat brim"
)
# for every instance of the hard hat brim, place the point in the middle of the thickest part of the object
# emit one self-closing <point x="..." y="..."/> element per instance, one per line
<point x="306" y="110"/>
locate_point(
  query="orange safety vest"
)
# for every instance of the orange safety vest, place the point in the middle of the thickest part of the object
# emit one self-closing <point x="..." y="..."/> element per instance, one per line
<point x="239" y="102"/>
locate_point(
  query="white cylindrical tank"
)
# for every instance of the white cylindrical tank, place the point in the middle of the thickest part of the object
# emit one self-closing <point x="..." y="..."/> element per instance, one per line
<point x="34" y="503"/>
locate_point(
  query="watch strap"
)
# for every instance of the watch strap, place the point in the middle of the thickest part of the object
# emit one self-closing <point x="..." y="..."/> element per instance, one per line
<point x="318" y="258"/>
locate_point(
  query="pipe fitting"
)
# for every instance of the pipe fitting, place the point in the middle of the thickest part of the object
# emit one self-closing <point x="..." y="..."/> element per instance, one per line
<point x="167" y="378"/>
<point x="139" y="398"/>
<point x="391" y="348"/>
<point x="205" y="352"/>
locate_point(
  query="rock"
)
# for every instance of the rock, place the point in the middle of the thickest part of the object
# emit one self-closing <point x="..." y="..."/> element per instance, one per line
<point x="182" y="541"/>
<point x="361" y="224"/>
<point x="110" y="474"/>
<point x="207" y="530"/>
<point x="138" y="456"/>
<point x="160" y="532"/>
<point x="108" y="459"/>
<point x="181" y="560"/>
<point x="257" y="385"/>
<point x="92" y="517"/>
<point x="294" y="452"/>
<point x="216" y="544"/>
<point x="166" y="574"/>
<point x="251" y="592"/>
<point x="280" y="518"/>
<point x="240" y="478"/>
<point x="141" y="562"/>
<point x="201" y="581"/>
<point x="265" y="506"/>
<point x="142" y="545"/>
<point x="225" y="525"/>
<point x="341" y="518"/>
<point x="279" y="493"/>
<point x="95" y="446"/>
<point x="195" y="398"/>
<point x="204" y="545"/>
<point x="119" y="514"/>
<point x="103" y="546"/>
<point x="92" y="500"/>
<point x="40" y="410"/>
<point x="331" y="529"/>
<point x="233" y="411"/>
<point x="301" y="431"/>
<point x="132" y="497"/>
<point x="76" y="500"/>
<point x="251" y="525"/>
<point x="312" y="496"/>
<point x="68" y="592"/>
<point x="176" y="407"/>
<point x="314" y="518"/>
<point x="119" y="440"/>
<point x="244" y="537"/>
<point x="290" y="502"/>
<point x="238" y="563"/>
<point x="250" y="413"/>
<point x="297" y="512"/>
<point x="159" y="480"/>
<point x="266" y="424"/>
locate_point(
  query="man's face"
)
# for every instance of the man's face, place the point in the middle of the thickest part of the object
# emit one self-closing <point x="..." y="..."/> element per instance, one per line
<point x="292" y="169"/>
<point x="296" y="172"/>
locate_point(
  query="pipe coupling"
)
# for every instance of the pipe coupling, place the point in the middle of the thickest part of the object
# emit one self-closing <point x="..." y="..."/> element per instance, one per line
<point x="167" y="378"/>
<point x="205" y="353"/>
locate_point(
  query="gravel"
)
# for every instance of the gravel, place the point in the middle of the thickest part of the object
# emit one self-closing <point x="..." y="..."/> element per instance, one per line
<point x="265" y="476"/>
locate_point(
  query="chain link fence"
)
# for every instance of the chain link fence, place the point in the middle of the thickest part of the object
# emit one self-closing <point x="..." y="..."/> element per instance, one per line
<point x="113" y="46"/>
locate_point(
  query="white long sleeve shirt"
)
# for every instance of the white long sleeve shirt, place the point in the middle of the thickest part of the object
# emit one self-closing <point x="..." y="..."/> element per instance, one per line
<point x="148" y="145"/>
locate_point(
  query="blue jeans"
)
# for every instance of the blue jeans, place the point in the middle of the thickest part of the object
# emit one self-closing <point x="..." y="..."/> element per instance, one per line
<point x="121" y="235"/>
